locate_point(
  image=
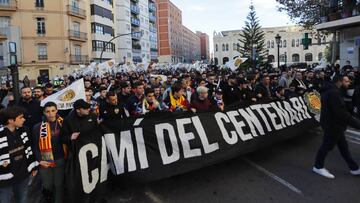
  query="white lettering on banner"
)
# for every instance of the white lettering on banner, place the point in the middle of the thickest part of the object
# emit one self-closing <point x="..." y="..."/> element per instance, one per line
<point x="219" y="117"/>
<point x="258" y="107"/>
<point x="175" y="154"/>
<point x="272" y="116"/>
<point x="305" y="109"/>
<point x="88" y="182"/>
<point x="239" y="125"/>
<point x="186" y="137"/>
<point x="284" y="116"/>
<point x="208" y="148"/>
<point x="118" y="156"/>
<point x="252" y="121"/>
<point x="140" y="143"/>
<point x="104" y="162"/>
<point x="292" y="112"/>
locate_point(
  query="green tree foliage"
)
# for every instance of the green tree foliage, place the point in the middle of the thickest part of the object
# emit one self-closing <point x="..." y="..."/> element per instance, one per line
<point x="303" y="12"/>
<point x="252" y="37"/>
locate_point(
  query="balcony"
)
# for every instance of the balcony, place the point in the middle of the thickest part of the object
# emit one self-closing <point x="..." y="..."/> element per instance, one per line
<point x="135" y="22"/>
<point x="152" y="7"/>
<point x="340" y="14"/>
<point x="152" y="18"/>
<point x="153" y="29"/>
<point x="153" y="49"/>
<point x="136" y="35"/>
<point x="10" y="5"/>
<point x="135" y="9"/>
<point x="77" y="36"/>
<point x="4" y="32"/>
<point x="76" y="11"/>
<point x="79" y="59"/>
<point x="42" y="57"/>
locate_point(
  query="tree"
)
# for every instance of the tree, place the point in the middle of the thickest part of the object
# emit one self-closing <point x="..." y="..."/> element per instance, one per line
<point x="252" y="38"/>
<point x="303" y="12"/>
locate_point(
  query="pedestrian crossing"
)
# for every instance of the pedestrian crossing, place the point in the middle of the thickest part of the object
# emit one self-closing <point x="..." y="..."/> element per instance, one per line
<point x="353" y="136"/>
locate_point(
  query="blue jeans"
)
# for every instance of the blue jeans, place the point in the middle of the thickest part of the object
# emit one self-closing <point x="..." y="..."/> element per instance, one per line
<point x="19" y="190"/>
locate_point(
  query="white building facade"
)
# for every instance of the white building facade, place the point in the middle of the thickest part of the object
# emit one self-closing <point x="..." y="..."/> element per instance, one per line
<point x="139" y="18"/>
<point x="102" y="29"/>
<point x="226" y="45"/>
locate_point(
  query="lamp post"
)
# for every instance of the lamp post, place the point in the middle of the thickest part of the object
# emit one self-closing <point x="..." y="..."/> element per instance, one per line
<point x="278" y="40"/>
<point x="107" y="43"/>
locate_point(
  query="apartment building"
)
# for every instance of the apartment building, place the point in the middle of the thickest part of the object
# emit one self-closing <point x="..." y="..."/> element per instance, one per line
<point x="191" y="46"/>
<point x="205" y="46"/>
<point x="176" y="43"/>
<point x="51" y="36"/>
<point x="101" y="21"/>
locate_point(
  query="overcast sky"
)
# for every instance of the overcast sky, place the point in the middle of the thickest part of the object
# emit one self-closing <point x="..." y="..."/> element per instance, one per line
<point x="219" y="15"/>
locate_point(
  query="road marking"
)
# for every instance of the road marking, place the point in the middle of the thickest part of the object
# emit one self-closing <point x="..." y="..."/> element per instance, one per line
<point x="275" y="177"/>
<point x="352" y="140"/>
<point x="353" y="132"/>
<point x="153" y="197"/>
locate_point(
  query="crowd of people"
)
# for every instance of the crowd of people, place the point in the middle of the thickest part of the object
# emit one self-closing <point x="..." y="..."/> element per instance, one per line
<point x="35" y="138"/>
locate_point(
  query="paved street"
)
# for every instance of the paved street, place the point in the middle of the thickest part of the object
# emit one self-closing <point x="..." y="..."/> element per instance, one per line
<point x="280" y="173"/>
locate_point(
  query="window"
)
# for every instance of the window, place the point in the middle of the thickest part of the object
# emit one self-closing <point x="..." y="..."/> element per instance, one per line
<point x="284" y="44"/>
<point x="293" y="43"/>
<point x="99" y="46"/>
<point x="77" y="49"/>
<point x="280" y="45"/>
<point x="227" y="47"/>
<point x="128" y="27"/>
<point x="102" y="29"/>
<point x="268" y="44"/>
<point x="297" y="43"/>
<point x="234" y="47"/>
<point x="100" y="11"/>
<point x="40" y="23"/>
<point x="223" y="47"/>
<point x="216" y="47"/>
<point x="76" y="26"/>
<point x="99" y="29"/>
<point x="272" y="44"/>
<point x="295" y="57"/>
<point x="308" y="57"/>
<point x="42" y="51"/>
<point x="39" y="3"/>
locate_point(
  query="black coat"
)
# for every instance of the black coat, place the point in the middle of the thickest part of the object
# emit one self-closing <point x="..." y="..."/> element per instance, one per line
<point x="334" y="116"/>
<point x="73" y="123"/>
<point x="33" y="112"/>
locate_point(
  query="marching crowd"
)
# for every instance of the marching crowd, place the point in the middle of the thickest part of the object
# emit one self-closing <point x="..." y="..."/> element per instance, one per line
<point x="38" y="139"/>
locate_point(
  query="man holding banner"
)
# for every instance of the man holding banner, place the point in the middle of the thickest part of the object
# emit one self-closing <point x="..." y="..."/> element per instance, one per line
<point x="49" y="152"/>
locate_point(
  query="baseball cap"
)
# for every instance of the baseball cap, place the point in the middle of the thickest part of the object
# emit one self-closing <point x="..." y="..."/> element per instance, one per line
<point x="81" y="104"/>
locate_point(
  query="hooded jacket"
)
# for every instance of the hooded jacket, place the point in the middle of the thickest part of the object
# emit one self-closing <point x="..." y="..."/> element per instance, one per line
<point x="334" y="116"/>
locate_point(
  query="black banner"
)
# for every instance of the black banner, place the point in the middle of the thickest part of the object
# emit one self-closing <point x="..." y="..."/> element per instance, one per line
<point x="164" y="145"/>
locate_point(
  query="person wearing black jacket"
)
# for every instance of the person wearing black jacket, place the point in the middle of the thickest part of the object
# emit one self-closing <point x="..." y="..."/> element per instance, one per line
<point x="230" y="91"/>
<point x="80" y="122"/>
<point x="334" y="121"/>
<point x="112" y="109"/>
<point x="33" y="112"/>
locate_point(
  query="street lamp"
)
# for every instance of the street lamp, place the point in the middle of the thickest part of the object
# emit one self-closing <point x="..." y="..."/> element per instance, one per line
<point x="278" y="40"/>
<point x="107" y="43"/>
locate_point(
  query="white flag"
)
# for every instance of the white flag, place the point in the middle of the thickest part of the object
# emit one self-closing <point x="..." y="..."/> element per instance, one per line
<point x="235" y="63"/>
<point x="66" y="97"/>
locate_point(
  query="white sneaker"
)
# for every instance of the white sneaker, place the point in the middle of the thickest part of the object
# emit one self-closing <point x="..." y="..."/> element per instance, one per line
<point x="355" y="173"/>
<point x="323" y="172"/>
